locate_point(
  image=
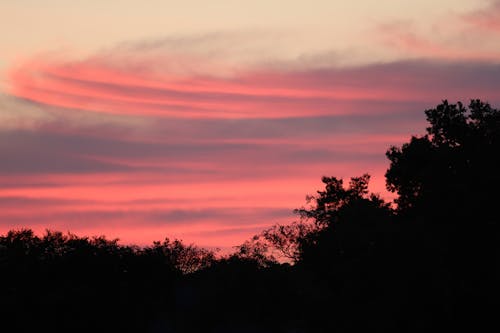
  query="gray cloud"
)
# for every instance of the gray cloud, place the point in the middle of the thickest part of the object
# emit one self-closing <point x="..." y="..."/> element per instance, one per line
<point x="59" y="144"/>
<point x="126" y="216"/>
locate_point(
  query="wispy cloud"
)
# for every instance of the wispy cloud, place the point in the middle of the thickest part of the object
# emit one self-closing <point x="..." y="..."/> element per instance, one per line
<point x="487" y="19"/>
<point x="258" y="94"/>
<point x="455" y="36"/>
<point x="162" y="138"/>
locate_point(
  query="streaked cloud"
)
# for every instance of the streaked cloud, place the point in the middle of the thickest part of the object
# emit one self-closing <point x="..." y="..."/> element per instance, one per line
<point x="487" y="19"/>
<point x="379" y="88"/>
<point x="211" y="137"/>
<point x="456" y="35"/>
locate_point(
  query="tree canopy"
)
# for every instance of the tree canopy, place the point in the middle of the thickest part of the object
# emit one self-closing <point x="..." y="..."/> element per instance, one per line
<point x="454" y="168"/>
<point x="351" y="262"/>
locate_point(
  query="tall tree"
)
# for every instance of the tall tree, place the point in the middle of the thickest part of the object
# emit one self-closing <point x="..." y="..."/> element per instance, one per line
<point x="448" y="182"/>
<point x="451" y="172"/>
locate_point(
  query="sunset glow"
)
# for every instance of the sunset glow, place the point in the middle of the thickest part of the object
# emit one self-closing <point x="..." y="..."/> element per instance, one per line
<point x="215" y="130"/>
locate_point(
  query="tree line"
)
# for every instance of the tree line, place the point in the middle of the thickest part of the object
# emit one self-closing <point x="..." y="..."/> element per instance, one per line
<point x="351" y="262"/>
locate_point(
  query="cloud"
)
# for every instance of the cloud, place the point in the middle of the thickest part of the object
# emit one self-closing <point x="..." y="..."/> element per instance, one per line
<point x="487" y="19"/>
<point x="456" y="36"/>
<point x="377" y="88"/>
<point x="56" y="212"/>
<point x="28" y="152"/>
<point x="127" y="145"/>
<point x="18" y="114"/>
<point x="83" y="216"/>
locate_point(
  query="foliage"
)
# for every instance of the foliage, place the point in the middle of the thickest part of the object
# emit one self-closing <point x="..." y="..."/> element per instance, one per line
<point x="329" y="205"/>
<point x="287" y="239"/>
<point x="184" y="258"/>
<point x="331" y="209"/>
<point x="454" y="167"/>
<point x="358" y="264"/>
<point x="256" y="251"/>
<point x="348" y="220"/>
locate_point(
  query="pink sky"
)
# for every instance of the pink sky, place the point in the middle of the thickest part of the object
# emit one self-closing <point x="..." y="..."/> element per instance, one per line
<point x="212" y="131"/>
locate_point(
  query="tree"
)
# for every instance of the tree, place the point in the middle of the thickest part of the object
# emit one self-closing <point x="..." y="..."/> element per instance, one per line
<point x="453" y="170"/>
<point x="337" y="217"/>
<point x="349" y="221"/>
<point x="286" y="240"/>
<point x="448" y="183"/>
<point x="184" y="258"/>
<point x="329" y="205"/>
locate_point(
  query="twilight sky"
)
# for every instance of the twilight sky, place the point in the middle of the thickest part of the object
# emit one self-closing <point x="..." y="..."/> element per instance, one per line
<point x="211" y="120"/>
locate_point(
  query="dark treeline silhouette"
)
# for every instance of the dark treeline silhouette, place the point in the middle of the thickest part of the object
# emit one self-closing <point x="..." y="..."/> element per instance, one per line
<point x="353" y="262"/>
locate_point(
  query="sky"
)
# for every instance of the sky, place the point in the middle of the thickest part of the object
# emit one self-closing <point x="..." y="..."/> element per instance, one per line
<point x="209" y="121"/>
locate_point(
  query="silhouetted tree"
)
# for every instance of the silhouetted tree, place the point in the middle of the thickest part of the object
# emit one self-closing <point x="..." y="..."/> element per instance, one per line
<point x="352" y="261"/>
<point x="339" y="247"/>
<point x="447" y="183"/>
<point x="256" y="251"/>
<point x="286" y="240"/>
<point x="185" y="258"/>
<point x="451" y="171"/>
<point x="347" y="219"/>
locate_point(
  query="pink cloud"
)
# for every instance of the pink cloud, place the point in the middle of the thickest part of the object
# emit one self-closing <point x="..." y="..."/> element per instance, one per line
<point x="144" y="207"/>
<point x="487" y="19"/>
<point x="464" y="40"/>
<point x="210" y="159"/>
<point x="99" y="87"/>
<point x="196" y="212"/>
